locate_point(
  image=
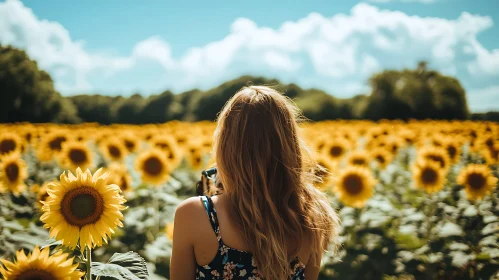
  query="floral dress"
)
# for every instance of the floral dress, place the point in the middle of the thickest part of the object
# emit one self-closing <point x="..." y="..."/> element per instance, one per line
<point x="230" y="263"/>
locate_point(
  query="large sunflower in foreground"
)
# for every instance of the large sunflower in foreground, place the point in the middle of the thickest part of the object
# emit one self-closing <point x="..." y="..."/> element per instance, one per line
<point x="75" y="154"/>
<point x="153" y="166"/>
<point x="477" y="180"/>
<point x="13" y="172"/>
<point x="354" y="186"/>
<point x="10" y="143"/>
<point x="84" y="208"/>
<point x="39" y="265"/>
<point x="428" y="175"/>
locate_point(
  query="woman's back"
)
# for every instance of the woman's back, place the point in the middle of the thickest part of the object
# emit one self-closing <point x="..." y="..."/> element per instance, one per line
<point x="231" y="259"/>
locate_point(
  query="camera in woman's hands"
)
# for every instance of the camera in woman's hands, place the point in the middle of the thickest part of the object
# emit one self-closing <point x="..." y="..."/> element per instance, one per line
<point x="208" y="183"/>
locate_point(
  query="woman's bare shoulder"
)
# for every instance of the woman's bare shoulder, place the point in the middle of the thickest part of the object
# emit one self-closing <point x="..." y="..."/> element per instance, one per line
<point x="190" y="211"/>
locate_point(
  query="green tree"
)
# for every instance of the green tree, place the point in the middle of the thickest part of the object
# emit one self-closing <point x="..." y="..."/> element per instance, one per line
<point x="28" y="94"/>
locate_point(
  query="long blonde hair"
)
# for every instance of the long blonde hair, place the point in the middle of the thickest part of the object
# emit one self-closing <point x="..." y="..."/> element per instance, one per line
<point x="264" y="170"/>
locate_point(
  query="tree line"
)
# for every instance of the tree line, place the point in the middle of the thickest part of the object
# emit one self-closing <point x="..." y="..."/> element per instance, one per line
<point x="28" y="95"/>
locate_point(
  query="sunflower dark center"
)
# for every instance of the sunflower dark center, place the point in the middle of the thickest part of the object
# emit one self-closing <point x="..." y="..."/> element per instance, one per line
<point x="78" y="156"/>
<point x="82" y="206"/>
<point x="35" y="274"/>
<point x="12" y="171"/>
<point x="114" y="151"/>
<point x="123" y="183"/>
<point x="336" y="151"/>
<point x="380" y="159"/>
<point x="429" y="175"/>
<point x="171" y="155"/>
<point x="489" y="142"/>
<point x="130" y="145"/>
<point x="359" y="161"/>
<point x="162" y="145"/>
<point x="56" y="143"/>
<point x="353" y="184"/>
<point x="153" y="166"/>
<point x="476" y="180"/>
<point x="7" y="146"/>
<point x="437" y="158"/>
<point x="452" y="151"/>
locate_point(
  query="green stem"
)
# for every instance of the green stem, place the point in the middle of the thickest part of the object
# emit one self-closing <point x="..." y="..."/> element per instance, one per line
<point x="88" y="261"/>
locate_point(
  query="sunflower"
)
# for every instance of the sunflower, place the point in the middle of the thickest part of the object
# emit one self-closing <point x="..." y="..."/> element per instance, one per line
<point x="75" y="154"/>
<point x="169" y="231"/>
<point x="428" y="176"/>
<point x="336" y="148"/>
<point x="477" y="180"/>
<point x="153" y="166"/>
<point x="50" y="145"/>
<point x="194" y="156"/>
<point x="119" y="175"/>
<point x="381" y="156"/>
<point x="42" y="194"/>
<point x="13" y="172"/>
<point x="453" y="151"/>
<point x="169" y="146"/>
<point x="490" y="154"/>
<point x="438" y="155"/>
<point x="113" y="149"/>
<point x="354" y="186"/>
<point x="360" y="158"/>
<point x="39" y="265"/>
<point x="323" y="172"/>
<point x="84" y="208"/>
<point x="131" y="142"/>
<point x="10" y="143"/>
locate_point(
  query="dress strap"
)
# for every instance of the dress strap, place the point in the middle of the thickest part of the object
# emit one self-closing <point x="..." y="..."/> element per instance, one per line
<point x="212" y="215"/>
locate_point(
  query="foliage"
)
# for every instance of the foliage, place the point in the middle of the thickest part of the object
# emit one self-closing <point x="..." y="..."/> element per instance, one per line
<point x="420" y="93"/>
<point x="28" y="94"/>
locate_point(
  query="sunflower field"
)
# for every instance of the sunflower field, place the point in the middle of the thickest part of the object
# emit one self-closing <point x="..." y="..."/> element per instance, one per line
<point x="417" y="199"/>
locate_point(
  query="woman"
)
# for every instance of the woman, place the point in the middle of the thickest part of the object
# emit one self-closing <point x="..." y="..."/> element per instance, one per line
<point x="270" y="222"/>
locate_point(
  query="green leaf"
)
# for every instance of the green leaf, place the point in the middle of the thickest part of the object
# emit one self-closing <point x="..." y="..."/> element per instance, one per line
<point x="128" y="266"/>
<point x="52" y="242"/>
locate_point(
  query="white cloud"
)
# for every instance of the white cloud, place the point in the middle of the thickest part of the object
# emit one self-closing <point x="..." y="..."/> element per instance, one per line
<point x="156" y="49"/>
<point x="334" y="53"/>
<point x="51" y="45"/>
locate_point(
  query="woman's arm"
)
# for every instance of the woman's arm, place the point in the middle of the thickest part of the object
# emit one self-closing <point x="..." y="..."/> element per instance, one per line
<point x="312" y="270"/>
<point x="183" y="261"/>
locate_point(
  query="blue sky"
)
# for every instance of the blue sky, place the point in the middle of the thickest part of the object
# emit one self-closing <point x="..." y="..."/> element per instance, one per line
<point x="121" y="47"/>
